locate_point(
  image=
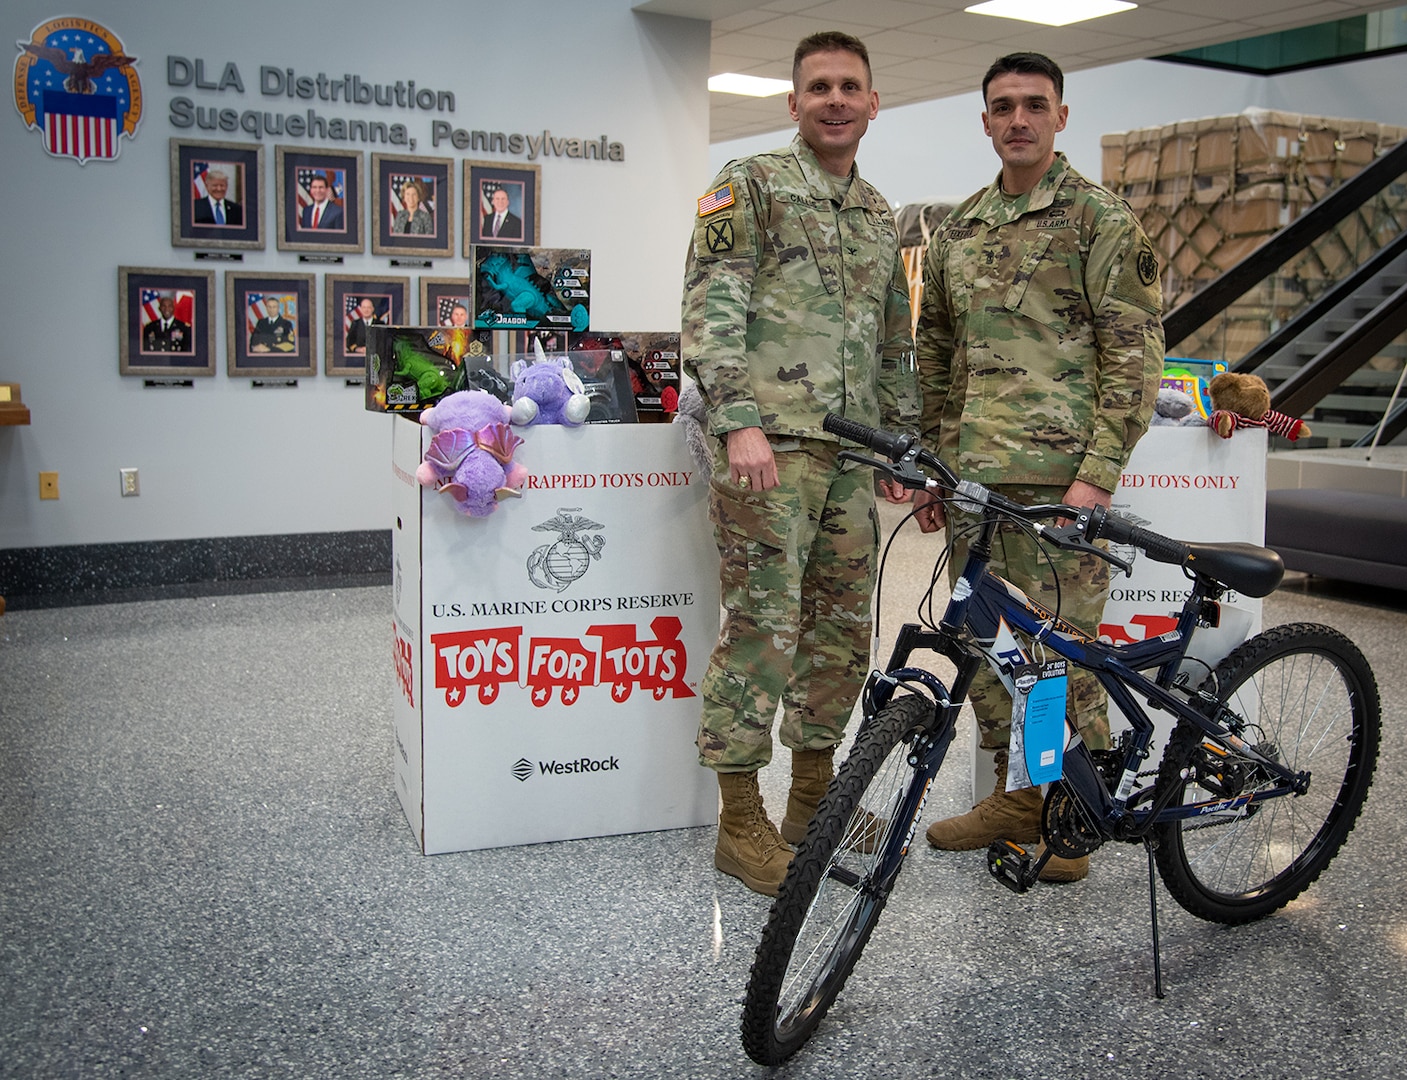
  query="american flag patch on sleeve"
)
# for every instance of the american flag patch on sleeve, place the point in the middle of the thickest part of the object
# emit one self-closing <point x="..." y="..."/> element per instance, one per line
<point x="717" y="199"/>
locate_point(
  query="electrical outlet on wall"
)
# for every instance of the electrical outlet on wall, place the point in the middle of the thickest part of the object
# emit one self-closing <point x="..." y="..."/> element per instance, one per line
<point x="48" y="485"/>
<point x="130" y="486"/>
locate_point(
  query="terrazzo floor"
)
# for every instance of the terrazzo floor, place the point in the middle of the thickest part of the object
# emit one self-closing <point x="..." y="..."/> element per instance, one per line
<point x="204" y="872"/>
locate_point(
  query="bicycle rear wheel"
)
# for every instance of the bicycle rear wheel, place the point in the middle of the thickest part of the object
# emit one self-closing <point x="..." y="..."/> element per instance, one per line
<point x="1310" y="702"/>
<point x="836" y="886"/>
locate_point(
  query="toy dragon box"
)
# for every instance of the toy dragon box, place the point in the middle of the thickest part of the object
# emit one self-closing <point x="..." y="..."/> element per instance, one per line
<point x="651" y="364"/>
<point x="527" y="288"/>
<point x="409" y="368"/>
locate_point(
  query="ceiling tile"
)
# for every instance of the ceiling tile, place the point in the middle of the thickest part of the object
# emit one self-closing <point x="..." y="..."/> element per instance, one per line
<point x="926" y="49"/>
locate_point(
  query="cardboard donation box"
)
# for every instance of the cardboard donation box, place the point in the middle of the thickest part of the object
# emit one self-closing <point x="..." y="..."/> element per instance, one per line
<point x="1187" y="484"/>
<point x="548" y="656"/>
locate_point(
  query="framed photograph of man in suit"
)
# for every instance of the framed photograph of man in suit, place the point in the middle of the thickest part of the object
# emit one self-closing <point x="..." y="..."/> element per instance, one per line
<point x="446" y="301"/>
<point x="320" y="204"/>
<point x="269" y="325"/>
<point x="412" y="206"/>
<point x="167" y="321"/>
<point x="217" y="195"/>
<point x="501" y="204"/>
<point x="354" y="303"/>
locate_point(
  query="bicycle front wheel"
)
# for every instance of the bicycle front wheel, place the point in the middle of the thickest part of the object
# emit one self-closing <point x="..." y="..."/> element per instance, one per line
<point x="1309" y="702"/>
<point x="836" y="886"/>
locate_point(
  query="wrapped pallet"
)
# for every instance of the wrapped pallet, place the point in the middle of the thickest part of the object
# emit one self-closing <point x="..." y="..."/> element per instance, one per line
<point x="1210" y="191"/>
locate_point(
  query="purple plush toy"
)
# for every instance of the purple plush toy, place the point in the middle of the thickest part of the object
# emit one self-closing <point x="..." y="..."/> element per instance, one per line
<point x="548" y="392"/>
<point x="470" y="457"/>
<point x="468" y="409"/>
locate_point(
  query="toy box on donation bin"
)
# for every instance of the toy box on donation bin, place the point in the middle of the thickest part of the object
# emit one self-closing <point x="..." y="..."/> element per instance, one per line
<point x="548" y="655"/>
<point x="1188" y="484"/>
<point x="410" y="368"/>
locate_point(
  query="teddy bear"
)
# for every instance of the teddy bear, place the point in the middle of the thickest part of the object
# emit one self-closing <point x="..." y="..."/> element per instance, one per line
<point x="1243" y="400"/>
<point x="548" y="391"/>
<point x="1175" y="408"/>
<point x="470" y="457"/>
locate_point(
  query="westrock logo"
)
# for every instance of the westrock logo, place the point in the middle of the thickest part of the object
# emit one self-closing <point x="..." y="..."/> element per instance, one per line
<point x="523" y="768"/>
<point x="607" y="655"/>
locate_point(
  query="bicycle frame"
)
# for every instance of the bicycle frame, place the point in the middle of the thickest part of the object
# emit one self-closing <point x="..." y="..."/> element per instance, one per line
<point x="978" y="626"/>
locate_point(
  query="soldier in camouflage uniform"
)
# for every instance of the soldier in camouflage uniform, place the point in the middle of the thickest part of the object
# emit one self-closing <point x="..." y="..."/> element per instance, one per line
<point x="795" y="305"/>
<point x="1040" y="349"/>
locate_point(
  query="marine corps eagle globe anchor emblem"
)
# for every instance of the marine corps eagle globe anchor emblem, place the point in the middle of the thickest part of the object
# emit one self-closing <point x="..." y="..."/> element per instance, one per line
<point x="557" y="565"/>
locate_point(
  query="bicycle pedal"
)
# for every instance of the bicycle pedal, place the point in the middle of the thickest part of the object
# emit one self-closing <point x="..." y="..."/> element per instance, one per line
<point x="1012" y="865"/>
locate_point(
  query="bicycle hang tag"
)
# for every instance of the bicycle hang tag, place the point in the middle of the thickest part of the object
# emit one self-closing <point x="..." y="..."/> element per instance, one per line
<point x="1037" y="724"/>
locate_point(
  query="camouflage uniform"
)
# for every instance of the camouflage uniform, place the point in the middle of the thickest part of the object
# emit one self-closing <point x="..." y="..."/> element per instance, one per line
<point x="793" y="292"/>
<point x="1040" y="349"/>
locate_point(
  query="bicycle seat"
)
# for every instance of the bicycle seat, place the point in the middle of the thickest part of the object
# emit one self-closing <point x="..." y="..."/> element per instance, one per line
<point x="1249" y="569"/>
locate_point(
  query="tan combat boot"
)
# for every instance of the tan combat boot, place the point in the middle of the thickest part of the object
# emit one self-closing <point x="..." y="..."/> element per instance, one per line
<point x="749" y="846"/>
<point x="811" y="773"/>
<point x="1060" y="870"/>
<point x="1002" y="815"/>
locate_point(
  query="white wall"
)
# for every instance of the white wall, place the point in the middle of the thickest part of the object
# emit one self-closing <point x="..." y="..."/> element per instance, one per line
<point x="223" y="459"/>
<point x="936" y="149"/>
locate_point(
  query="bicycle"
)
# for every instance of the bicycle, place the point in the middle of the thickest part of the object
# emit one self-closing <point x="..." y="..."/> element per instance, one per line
<point x="1234" y="818"/>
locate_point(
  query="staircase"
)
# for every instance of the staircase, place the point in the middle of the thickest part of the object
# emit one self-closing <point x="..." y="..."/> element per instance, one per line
<point x="1338" y="363"/>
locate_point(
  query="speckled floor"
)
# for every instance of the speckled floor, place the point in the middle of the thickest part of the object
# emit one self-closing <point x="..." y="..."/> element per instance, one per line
<point x="204" y="872"/>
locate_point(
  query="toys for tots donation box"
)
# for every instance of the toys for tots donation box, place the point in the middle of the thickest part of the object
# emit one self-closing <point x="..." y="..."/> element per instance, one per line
<point x="548" y="656"/>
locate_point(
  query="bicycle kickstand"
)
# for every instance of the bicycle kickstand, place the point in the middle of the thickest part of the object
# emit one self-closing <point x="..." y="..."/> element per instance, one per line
<point x="1153" y="910"/>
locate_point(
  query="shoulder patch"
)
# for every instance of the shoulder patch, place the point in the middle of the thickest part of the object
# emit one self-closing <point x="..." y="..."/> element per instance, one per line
<point x="717" y="199"/>
<point x="1147" y="264"/>
<point x="719" y="236"/>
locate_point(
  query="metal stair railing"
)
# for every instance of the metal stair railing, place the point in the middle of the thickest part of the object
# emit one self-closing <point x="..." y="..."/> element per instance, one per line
<point x="1221" y="293"/>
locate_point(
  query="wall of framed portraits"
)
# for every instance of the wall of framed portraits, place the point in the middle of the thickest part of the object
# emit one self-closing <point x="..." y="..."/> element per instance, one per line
<point x="190" y="307"/>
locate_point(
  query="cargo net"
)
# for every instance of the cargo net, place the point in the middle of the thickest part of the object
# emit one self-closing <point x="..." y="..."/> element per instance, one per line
<point x="1209" y="192"/>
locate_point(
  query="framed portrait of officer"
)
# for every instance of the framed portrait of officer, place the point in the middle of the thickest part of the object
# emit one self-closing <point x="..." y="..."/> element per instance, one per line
<point x="320" y="204"/>
<point x="412" y="206"/>
<point x="166" y="322"/>
<point x="270" y="325"/>
<point x="446" y="301"/>
<point x="217" y="195"/>
<point x="354" y="304"/>
<point x="501" y="204"/>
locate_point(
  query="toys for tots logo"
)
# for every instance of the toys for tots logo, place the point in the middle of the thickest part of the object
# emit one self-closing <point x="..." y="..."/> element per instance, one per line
<point x="613" y="655"/>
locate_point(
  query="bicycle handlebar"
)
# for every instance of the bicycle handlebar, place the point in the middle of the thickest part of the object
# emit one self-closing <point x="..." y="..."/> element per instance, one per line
<point x="1106" y="525"/>
<point x="1095" y="523"/>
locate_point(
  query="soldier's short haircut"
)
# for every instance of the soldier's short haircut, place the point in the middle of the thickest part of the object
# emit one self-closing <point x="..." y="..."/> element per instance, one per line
<point x="828" y="41"/>
<point x="1026" y="63"/>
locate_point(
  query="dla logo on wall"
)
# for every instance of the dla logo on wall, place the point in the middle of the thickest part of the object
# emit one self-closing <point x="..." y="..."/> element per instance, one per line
<point x="75" y="83"/>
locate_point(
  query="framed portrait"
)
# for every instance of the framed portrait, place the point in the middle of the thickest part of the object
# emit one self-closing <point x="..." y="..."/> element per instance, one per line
<point x="217" y="195"/>
<point x="320" y="200"/>
<point x="446" y="302"/>
<point x="501" y="204"/>
<point x="270" y="325"/>
<point x="354" y="302"/>
<point x="167" y="321"/>
<point x="412" y="206"/>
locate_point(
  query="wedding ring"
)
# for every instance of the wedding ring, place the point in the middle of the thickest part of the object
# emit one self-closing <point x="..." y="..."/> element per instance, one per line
<point x="744" y="481"/>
